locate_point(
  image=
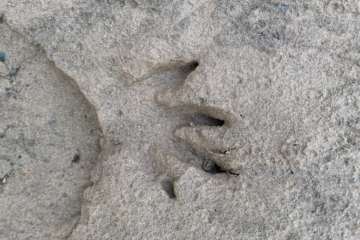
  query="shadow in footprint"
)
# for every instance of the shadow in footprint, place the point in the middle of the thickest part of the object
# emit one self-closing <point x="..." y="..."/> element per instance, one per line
<point x="168" y="187"/>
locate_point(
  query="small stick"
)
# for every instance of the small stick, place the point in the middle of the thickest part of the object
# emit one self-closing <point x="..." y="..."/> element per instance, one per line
<point x="27" y="172"/>
<point x="5" y="76"/>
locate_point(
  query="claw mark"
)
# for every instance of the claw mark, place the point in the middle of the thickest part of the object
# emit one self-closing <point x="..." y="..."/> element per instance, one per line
<point x="76" y="158"/>
<point x="206" y="120"/>
<point x="193" y="65"/>
<point x="224" y="152"/>
<point x="212" y="168"/>
<point x="168" y="187"/>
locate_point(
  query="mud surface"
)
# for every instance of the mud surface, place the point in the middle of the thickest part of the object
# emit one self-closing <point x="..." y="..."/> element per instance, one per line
<point x="45" y="122"/>
<point x="197" y="120"/>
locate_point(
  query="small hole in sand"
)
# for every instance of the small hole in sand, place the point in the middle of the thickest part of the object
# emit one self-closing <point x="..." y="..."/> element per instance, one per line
<point x="205" y="120"/>
<point x="168" y="187"/>
<point x="193" y="65"/>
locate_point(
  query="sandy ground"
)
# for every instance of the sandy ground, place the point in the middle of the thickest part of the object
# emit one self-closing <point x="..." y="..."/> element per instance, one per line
<point x="45" y="122"/>
<point x="180" y="120"/>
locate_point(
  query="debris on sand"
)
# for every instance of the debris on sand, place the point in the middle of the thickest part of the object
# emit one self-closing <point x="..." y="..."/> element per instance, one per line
<point x="11" y="72"/>
<point x="2" y="57"/>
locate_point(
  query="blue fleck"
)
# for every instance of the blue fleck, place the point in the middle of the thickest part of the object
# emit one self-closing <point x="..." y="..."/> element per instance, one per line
<point x="283" y="8"/>
<point x="2" y="57"/>
<point x="276" y="35"/>
<point x="14" y="70"/>
<point x="15" y="97"/>
<point x="19" y="156"/>
<point x="7" y="89"/>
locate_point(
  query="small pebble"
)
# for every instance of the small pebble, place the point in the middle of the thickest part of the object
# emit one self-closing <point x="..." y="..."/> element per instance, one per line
<point x="15" y="97"/>
<point x="283" y="8"/>
<point x="26" y="85"/>
<point x="276" y="36"/>
<point x="19" y="156"/>
<point x="7" y="89"/>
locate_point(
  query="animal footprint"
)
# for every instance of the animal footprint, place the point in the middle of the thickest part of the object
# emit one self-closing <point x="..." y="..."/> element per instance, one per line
<point x="217" y="144"/>
<point x="209" y="135"/>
